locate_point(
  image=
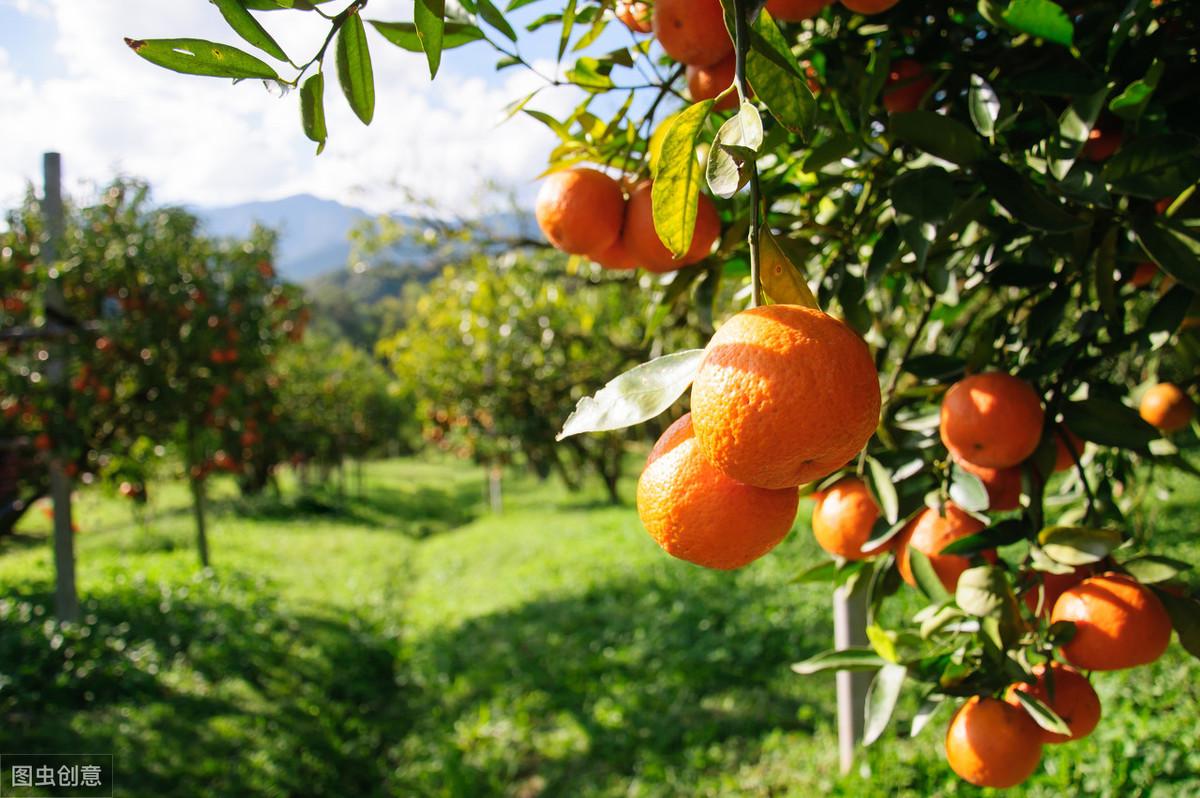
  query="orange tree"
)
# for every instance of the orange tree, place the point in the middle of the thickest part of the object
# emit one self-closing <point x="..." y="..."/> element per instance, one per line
<point x="998" y="197"/>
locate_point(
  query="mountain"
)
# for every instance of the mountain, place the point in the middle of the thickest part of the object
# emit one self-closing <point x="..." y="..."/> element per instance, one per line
<point x="313" y="232"/>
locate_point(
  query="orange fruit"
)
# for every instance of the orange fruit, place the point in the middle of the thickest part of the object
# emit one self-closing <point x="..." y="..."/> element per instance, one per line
<point x="1101" y="143"/>
<point x="1118" y="623"/>
<point x="843" y="517"/>
<point x="642" y="241"/>
<point x="907" y="83"/>
<point x="991" y="419"/>
<point x="1069" y="694"/>
<point x="1003" y="485"/>
<point x="1062" y="455"/>
<point x="784" y="395"/>
<point x="1053" y="586"/>
<point x="616" y="257"/>
<point x="1167" y="407"/>
<point x="697" y="513"/>
<point x="692" y="31"/>
<point x="929" y="533"/>
<point x="704" y="83"/>
<point x="993" y="744"/>
<point x="580" y="210"/>
<point x="795" y="10"/>
<point x="1143" y="274"/>
<point x="636" y="16"/>
<point x="868" y="7"/>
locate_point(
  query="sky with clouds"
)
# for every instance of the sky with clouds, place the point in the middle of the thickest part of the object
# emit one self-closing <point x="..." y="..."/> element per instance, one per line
<point x="69" y="83"/>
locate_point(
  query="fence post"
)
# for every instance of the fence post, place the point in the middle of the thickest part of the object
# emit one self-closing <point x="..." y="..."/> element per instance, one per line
<point x="850" y="629"/>
<point x="66" y="599"/>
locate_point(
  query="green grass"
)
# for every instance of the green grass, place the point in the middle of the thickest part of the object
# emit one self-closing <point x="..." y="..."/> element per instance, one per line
<point x="408" y="642"/>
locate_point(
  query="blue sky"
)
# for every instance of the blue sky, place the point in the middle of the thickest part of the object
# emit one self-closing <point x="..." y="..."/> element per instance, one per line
<point x="68" y="82"/>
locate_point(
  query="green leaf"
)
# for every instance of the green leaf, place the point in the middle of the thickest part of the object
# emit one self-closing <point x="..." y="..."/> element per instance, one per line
<point x="1078" y="545"/>
<point x="1042" y="562"/>
<point x="984" y="592"/>
<point x="1019" y="197"/>
<point x="925" y="713"/>
<point x="938" y="135"/>
<point x="833" y="149"/>
<point x="1172" y="248"/>
<point x="984" y="106"/>
<point x="1043" y="715"/>
<point x="249" y="28"/>
<point x="1185" y="617"/>
<point x="928" y="582"/>
<point x="404" y="34"/>
<point x="854" y="658"/>
<point x="492" y="16"/>
<point x="934" y="366"/>
<point x="1074" y="127"/>
<point x="968" y="490"/>
<point x="1041" y="18"/>
<point x="312" y="110"/>
<point x="773" y="72"/>
<point x="881" y="700"/>
<point x="1151" y="569"/>
<point x="731" y="158"/>
<point x="637" y="395"/>
<point x="1155" y="166"/>
<point x="1109" y="423"/>
<point x="1004" y="533"/>
<point x="927" y="195"/>
<point x="568" y="23"/>
<point x="883" y="253"/>
<point x="884" y="490"/>
<point x="429" y="16"/>
<point x="830" y="571"/>
<point x="1130" y="103"/>
<point x="200" y="57"/>
<point x="676" y="192"/>
<point x="354" y="68"/>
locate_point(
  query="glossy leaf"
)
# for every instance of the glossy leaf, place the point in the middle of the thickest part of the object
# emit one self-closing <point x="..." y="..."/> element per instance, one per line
<point x="983" y="591"/>
<point x="1027" y="204"/>
<point x="882" y="695"/>
<point x="782" y="280"/>
<point x="983" y="105"/>
<point x="928" y="582"/>
<point x="1043" y="715"/>
<point x="1177" y="252"/>
<point x="492" y="16"/>
<point x="773" y="72"/>
<point x="968" y="490"/>
<point x="884" y="490"/>
<point x="1151" y="569"/>
<point x="1076" y="545"/>
<point x="354" y="68"/>
<point x="201" y="57"/>
<point x="638" y="395"/>
<point x="404" y="34"/>
<point x="312" y="109"/>
<point x="676" y="189"/>
<point x="249" y="28"/>
<point x="1004" y="533"/>
<point x="1041" y="18"/>
<point x="1109" y="423"/>
<point x="938" y="135"/>
<point x="429" y="17"/>
<point x="854" y="658"/>
<point x="731" y="158"/>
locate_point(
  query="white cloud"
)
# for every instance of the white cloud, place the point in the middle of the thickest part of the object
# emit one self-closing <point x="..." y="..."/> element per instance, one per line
<point x="206" y="141"/>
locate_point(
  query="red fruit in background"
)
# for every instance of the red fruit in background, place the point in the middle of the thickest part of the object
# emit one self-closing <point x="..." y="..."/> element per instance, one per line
<point x="705" y="83"/>
<point x="266" y="269"/>
<point x="637" y="16"/>
<point x="1067" y="692"/>
<point x="692" y="31"/>
<point x="1143" y="274"/>
<point x="103" y="344"/>
<point x="906" y="85"/>
<point x="1003" y="484"/>
<point x="43" y="442"/>
<point x="1063" y="458"/>
<point x="1103" y="141"/>
<point x="795" y="10"/>
<point x="1053" y="586"/>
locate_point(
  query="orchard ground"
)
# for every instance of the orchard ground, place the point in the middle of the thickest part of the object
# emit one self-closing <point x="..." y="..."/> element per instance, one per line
<point x="406" y="641"/>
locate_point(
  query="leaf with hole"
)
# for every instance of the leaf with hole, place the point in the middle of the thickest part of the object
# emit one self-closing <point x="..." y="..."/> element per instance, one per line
<point x="201" y="57"/>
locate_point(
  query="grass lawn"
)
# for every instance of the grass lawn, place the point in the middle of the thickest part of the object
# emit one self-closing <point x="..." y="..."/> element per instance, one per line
<point x="407" y="642"/>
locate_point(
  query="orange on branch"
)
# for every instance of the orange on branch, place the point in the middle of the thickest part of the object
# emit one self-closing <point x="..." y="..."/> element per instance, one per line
<point x="1053" y="586"/>
<point x="699" y="514"/>
<point x="1167" y="407"/>
<point x="843" y="517"/>
<point x="1119" y="623"/>
<point x="641" y="240"/>
<point x="929" y="533"/>
<point x="692" y="31"/>
<point x="1067" y="447"/>
<point x="636" y="16"/>
<point x="993" y="744"/>
<point x="992" y="419"/>
<point x="580" y="210"/>
<point x="907" y="83"/>
<point x="1066" y="691"/>
<point x="1003" y="485"/>
<point x="785" y="395"/>
<point x="706" y="82"/>
<point x="795" y="10"/>
<point x="868" y="7"/>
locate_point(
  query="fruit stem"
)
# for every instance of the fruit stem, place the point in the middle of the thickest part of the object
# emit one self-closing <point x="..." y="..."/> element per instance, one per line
<point x="742" y="12"/>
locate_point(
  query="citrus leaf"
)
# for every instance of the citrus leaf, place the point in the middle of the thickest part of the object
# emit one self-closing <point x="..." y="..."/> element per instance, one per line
<point x="635" y="396"/>
<point x="968" y="490"/>
<point x="782" y="280"/>
<point x="354" y="68"/>
<point x="1042" y="715"/>
<point x="1078" y="545"/>
<point x="773" y="72"/>
<point x="245" y="25"/>
<point x="1027" y="204"/>
<point x="983" y="105"/>
<point x="312" y="110"/>
<point x="732" y="155"/>
<point x="882" y="696"/>
<point x="983" y="591"/>
<point x="1171" y="248"/>
<point x="926" y="578"/>
<point x="1109" y="423"/>
<point x="1185" y="617"/>
<point x="1151" y="569"/>
<point x="1041" y="18"/>
<point x="884" y="490"/>
<point x="201" y="57"/>
<point x="429" y="16"/>
<point x="938" y="135"/>
<point x="676" y="192"/>
<point x="854" y="658"/>
<point x="404" y="35"/>
<point x="1004" y="533"/>
<point x="925" y="713"/>
<point x="492" y="16"/>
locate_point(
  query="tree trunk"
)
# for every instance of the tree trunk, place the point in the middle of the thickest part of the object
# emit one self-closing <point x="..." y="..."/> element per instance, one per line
<point x="496" y="489"/>
<point x="198" y="511"/>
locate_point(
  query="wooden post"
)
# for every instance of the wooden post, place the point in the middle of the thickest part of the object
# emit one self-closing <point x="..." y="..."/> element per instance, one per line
<point x="496" y="488"/>
<point x="66" y="597"/>
<point x="850" y="629"/>
<point x="198" y="511"/>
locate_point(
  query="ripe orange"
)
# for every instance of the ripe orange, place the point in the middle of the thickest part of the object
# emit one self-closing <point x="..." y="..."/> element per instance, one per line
<point x="616" y="257"/>
<point x="991" y="419"/>
<point x="642" y="241"/>
<point x="929" y="533"/>
<point x="869" y="7"/>
<point x="784" y="395"/>
<point x="692" y="31"/>
<point x="993" y="744"/>
<point x="1003" y="485"/>
<point x="1118" y="623"/>
<point x="843" y="518"/>
<point x="1143" y="274"/>
<point x="698" y="514"/>
<point x="795" y="10"/>
<point x="706" y="82"/>
<point x="1053" y="586"/>
<point x="1102" y="142"/>
<point x="1063" y="458"/>
<point x="635" y="15"/>
<point x="1167" y="407"/>
<point x="1074" y="700"/>
<point x="580" y="210"/>
<point x="906" y="85"/>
